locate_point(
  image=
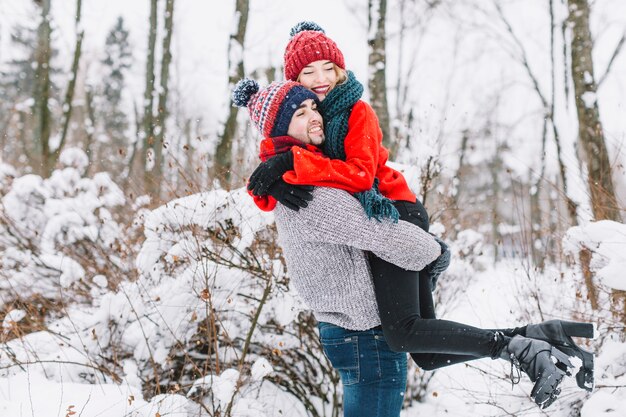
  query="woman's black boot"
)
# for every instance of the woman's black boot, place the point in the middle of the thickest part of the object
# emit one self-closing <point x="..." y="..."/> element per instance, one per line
<point x="535" y="358"/>
<point x="559" y="334"/>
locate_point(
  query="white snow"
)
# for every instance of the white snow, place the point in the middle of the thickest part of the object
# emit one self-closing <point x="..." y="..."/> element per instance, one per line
<point x="164" y="280"/>
<point x="13" y="317"/>
<point x="590" y="99"/>
<point x="100" y="281"/>
<point x="74" y="157"/>
<point x="260" y="369"/>
<point x="607" y="242"/>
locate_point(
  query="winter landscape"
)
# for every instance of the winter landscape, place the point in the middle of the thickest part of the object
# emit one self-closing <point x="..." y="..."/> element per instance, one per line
<point x="138" y="278"/>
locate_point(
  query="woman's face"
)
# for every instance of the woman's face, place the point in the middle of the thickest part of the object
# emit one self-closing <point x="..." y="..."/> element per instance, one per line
<point x="319" y="77"/>
<point x="306" y="124"/>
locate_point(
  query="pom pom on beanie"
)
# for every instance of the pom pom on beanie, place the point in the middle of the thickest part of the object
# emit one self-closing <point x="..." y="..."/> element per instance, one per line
<point x="271" y="107"/>
<point x="243" y="92"/>
<point x="306" y="25"/>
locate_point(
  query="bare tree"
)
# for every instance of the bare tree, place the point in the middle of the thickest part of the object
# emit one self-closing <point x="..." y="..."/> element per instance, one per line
<point x="376" y="38"/>
<point x="590" y="132"/>
<point x="548" y="108"/>
<point x="69" y="94"/>
<point x="162" y="113"/>
<point x="223" y="153"/>
<point x="591" y="137"/>
<point x="414" y="21"/>
<point x="148" y="118"/>
<point x="41" y="94"/>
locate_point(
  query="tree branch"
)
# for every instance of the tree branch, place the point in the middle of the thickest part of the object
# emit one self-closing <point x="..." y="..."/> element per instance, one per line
<point x="616" y="53"/>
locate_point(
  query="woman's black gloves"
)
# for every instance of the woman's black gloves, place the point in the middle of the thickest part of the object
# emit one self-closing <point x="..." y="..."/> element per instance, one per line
<point x="436" y="268"/>
<point x="268" y="172"/>
<point x="291" y="196"/>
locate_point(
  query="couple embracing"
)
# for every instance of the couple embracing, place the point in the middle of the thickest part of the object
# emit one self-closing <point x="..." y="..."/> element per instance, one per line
<point x="356" y="241"/>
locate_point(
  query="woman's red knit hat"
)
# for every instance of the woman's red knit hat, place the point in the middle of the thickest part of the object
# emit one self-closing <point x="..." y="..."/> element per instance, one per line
<point x="308" y="43"/>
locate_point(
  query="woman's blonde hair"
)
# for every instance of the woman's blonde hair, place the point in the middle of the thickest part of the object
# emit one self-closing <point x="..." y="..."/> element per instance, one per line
<point x="341" y="74"/>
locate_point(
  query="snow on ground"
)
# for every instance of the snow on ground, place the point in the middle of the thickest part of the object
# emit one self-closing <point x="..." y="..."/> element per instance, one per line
<point x="30" y="393"/>
<point x="491" y="299"/>
<point x="496" y="295"/>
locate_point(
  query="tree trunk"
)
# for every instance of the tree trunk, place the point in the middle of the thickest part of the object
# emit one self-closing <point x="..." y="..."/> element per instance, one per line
<point x="548" y="107"/>
<point x="128" y="170"/>
<point x="591" y="136"/>
<point x="572" y="207"/>
<point x="69" y="95"/>
<point x="495" y="168"/>
<point x="91" y="124"/>
<point x="377" y="11"/>
<point x="162" y="113"/>
<point x="536" y="213"/>
<point x="148" y="119"/>
<point x="42" y="91"/>
<point x="590" y="133"/>
<point x="452" y="206"/>
<point x="585" y="262"/>
<point x="223" y="153"/>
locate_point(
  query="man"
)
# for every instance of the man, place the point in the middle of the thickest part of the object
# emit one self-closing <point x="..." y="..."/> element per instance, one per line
<point x="324" y="233"/>
<point x="323" y="245"/>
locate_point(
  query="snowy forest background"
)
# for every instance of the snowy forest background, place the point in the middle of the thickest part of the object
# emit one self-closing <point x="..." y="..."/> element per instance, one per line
<point x="137" y="278"/>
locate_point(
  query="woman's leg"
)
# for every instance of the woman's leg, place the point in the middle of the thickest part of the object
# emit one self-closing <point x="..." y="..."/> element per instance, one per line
<point x="398" y="296"/>
<point x="373" y="376"/>
<point x="407" y="312"/>
<point x="431" y="361"/>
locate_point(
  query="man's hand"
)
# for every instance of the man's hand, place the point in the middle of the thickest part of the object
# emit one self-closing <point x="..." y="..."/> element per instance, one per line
<point x="291" y="196"/>
<point x="436" y="268"/>
<point x="268" y="172"/>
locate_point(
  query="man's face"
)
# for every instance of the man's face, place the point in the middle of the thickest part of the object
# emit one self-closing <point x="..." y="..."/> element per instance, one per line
<point x="306" y="124"/>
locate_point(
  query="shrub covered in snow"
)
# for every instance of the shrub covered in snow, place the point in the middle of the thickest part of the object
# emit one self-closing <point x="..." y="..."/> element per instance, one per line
<point x="57" y="233"/>
<point x="209" y="315"/>
<point x="203" y="322"/>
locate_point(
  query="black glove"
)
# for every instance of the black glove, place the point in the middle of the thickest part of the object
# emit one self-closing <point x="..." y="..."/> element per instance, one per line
<point x="291" y="196"/>
<point x="436" y="268"/>
<point x="266" y="174"/>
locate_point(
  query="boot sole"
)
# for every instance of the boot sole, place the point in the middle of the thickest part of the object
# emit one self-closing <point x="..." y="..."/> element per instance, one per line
<point x="576" y="329"/>
<point x="584" y="377"/>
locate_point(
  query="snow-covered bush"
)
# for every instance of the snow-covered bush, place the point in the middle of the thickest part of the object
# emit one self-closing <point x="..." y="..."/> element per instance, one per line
<point x="209" y="316"/>
<point x="56" y="234"/>
<point x="202" y="320"/>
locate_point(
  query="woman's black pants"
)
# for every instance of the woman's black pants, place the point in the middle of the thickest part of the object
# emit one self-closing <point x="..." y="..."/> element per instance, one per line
<point x="407" y="312"/>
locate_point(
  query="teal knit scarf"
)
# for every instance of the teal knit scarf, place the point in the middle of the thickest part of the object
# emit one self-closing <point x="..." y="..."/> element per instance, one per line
<point x="336" y="109"/>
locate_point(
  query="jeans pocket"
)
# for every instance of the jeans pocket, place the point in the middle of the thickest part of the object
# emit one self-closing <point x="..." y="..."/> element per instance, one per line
<point x="343" y="354"/>
<point x="393" y="365"/>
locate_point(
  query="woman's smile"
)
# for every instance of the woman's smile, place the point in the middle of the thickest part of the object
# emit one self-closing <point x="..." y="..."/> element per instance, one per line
<point x="322" y="89"/>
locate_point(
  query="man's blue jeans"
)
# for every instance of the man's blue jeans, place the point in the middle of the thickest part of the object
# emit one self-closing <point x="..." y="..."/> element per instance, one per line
<point x="373" y="376"/>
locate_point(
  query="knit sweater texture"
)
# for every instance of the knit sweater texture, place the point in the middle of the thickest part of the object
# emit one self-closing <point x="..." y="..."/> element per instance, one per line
<point x="324" y="246"/>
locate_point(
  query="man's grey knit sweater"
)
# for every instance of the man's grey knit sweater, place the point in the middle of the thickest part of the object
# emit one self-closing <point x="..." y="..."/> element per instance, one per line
<point x="323" y="246"/>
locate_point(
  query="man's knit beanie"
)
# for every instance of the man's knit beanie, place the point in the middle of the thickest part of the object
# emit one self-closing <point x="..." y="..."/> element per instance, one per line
<point x="308" y="44"/>
<point x="272" y="107"/>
